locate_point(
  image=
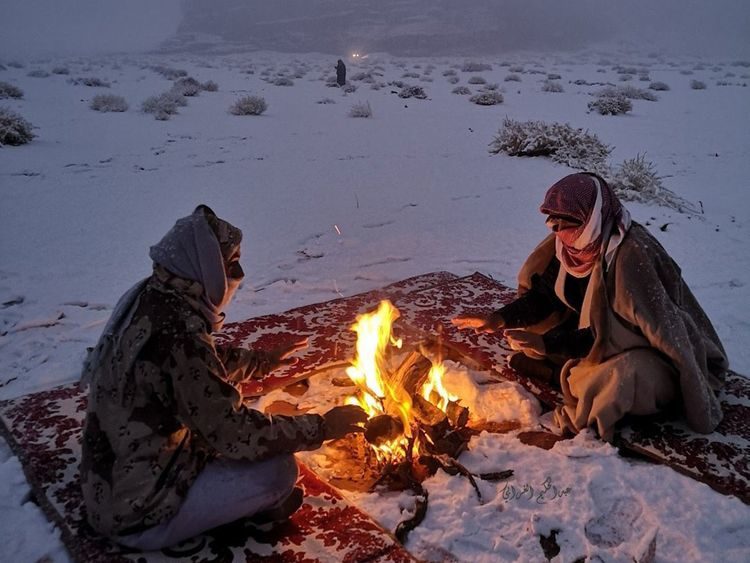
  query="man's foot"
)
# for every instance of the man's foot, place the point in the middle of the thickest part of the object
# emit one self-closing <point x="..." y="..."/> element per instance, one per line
<point x="268" y="518"/>
<point x="541" y="370"/>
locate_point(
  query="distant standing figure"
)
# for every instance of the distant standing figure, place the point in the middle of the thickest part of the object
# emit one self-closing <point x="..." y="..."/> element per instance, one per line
<point x="340" y="73"/>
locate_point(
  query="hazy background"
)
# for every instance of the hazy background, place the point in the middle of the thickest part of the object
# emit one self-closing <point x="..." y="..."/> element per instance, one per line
<point x="32" y="28"/>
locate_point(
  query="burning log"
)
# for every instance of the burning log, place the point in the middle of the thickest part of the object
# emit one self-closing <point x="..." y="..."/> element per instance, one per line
<point x="457" y="415"/>
<point x="383" y="428"/>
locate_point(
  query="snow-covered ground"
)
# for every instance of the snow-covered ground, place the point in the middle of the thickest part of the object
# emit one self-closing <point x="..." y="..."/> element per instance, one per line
<point x="333" y="205"/>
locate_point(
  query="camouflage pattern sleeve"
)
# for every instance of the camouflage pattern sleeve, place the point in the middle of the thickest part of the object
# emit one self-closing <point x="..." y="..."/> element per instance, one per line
<point x="211" y="406"/>
<point x="242" y="364"/>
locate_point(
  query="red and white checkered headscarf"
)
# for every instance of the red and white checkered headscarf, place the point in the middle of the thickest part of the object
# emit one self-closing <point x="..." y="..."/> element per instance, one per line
<point x="587" y="198"/>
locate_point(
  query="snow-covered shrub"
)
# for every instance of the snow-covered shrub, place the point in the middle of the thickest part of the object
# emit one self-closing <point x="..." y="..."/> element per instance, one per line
<point x="686" y="72"/>
<point x="15" y="64"/>
<point x="552" y="86"/>
<point x="361" y="109"/>
<point x="636" y="180"/>
<point x="90" y="81"/>
<point x="697" y="85"/>
<point x="108" y="102"/>
<point x="283" y="81"/>
<point x="625" y="77"/>
<point x="349" y="88"/>
<point x="168" y="72"/>
<point x="38" y="73"/>
<point x="325" y="101"/>
<point x="412" y="92"/>
<point x="8" y="90"/>
<point x="161" y="106"/>
<point x="471" y="66"/>
<point x="249" y="105"/>
<point x="210" y="86"/>
<point x="453" y="80"/>
<point x="488" y="98"/>
<point x="576" y="148"/>
<point x="492" y="86"/>
<point x="425" y="78"/>
<point x="360" y="76"/>
<point x="410" y="75"/>
<point x="630" y="92"/>
<point x="659" y="86"/>
<point x="187" y="86"/>
<point x="477" y="80"/>
<point x="512" y="78"/>
<point x="449" y="72"/>
<point x="60" y="70"/>
<point x="14" y="129"/>
<point x="616" y="104"/>
<point x="461" y="91"/>
<point x="553" y="76"/>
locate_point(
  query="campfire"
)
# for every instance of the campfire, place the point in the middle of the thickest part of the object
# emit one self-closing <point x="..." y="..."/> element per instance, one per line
<point x="415" y="425"/>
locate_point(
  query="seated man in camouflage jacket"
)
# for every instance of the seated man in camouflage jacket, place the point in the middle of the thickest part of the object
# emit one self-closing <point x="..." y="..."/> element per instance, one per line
<point x="169" y="450"/>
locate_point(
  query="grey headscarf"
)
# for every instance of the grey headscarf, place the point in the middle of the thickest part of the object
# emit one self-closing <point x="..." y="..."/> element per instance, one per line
<point x="196" y="249"/>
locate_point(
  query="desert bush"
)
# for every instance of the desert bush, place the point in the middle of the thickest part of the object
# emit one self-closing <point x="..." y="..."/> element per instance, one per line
<point x="515" y="68"/>
<point x="625" y="77"/>
<point x="14" y="129"/>
<point x="461" y="91"/>
<point x="187" y="86"/>
<point x="249" y="105"/>
<point x="552" y="86"/>
<point x="562" y="143"/>
<point x="361" y="109"/>
<point x="471" y="66"/>
<point x="412" y="92"/>
<point x="453" y="80"/>
<point x="492" y="86"/>
<point x="630" y="92"/>
<point x="161" y="107"/>
<point x="60" y="70"/>
<point x="659" y="86"/>
<point x="38" y="73"/>
<point x="512" y="78"/>
<point x="616" y="104"/>
<point x="553" y="76"/>
<point x="108" y="103"/>
<point x="325" y="101"/>
<point x="90" y="81"/>
<point x="361" y="76"/>
<point x="488" y="98"/>
<point x="8" y="90"/>
<point x="686" y="72"/>
<point x="697" y="85"/>
<point x="636" y="180"/>
<point x="410" y="75"/>
<point x="449" y="72"/>
<point x="476" y="80"/>
<point x="349" y="88"/>
<point x="168" y="72"/>
<point x="15" y="64"/>
<point x="210" y="86"/>
<point x="283" y="81"/>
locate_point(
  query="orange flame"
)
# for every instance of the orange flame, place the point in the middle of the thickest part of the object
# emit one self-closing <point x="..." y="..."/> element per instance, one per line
<point x="369" y="370"/>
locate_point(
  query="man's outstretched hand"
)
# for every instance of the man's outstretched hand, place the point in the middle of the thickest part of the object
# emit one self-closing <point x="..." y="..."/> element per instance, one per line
<point x="344" y="420"/>
<point x="489" y="323"/>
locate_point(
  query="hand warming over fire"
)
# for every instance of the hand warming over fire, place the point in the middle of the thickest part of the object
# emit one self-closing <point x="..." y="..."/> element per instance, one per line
<point x="344" y="420"/>
<point x="489" y="323"/>
<point x="530" y="343"/>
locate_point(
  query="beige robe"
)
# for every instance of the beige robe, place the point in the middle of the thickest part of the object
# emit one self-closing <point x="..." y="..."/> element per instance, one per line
<point x="653" y="343"/>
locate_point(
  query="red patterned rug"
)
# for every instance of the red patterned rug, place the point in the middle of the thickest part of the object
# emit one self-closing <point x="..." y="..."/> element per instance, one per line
<point x="44" y="429"/>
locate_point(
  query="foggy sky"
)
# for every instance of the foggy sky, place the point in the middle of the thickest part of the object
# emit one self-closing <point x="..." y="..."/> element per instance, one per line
<point x="39" y="28"/>
<point x="33" y="28"/>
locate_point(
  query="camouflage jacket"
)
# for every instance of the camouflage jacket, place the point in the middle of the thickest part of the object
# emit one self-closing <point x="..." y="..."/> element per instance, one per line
<point x="163" y="404"/>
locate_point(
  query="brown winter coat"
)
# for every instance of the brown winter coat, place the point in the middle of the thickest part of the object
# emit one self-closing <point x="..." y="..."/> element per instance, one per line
<point x="652" y="340"/>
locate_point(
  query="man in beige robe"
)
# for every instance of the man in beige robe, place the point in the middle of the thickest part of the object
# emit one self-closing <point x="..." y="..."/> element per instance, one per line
<point x="602" y="299"/>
